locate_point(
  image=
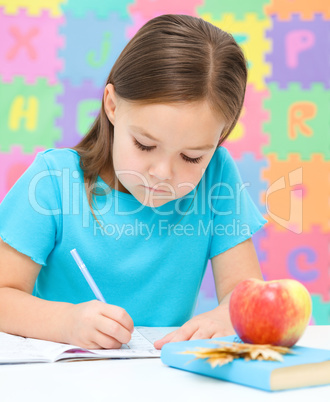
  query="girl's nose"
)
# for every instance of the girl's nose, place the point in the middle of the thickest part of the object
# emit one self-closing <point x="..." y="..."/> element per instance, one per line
<point x="161" y="170"/>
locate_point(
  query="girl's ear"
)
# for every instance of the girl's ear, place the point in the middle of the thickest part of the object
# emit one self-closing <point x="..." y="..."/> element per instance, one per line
<point x="110" y="102"/>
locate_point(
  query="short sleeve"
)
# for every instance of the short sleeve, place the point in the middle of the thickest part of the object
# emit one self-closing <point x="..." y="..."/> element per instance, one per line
<point x="29" y="213"/>
<point x="235" y="216"/>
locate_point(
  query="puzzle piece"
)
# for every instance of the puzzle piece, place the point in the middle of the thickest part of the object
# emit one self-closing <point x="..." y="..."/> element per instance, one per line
<point x="253" y="47"/>
<point x="257" y="238"/>
<point x="103" y="41"/>
<point x="305" y="8"/>
<point x="299" y="121"/>
<point x="101" y="8"/>
<point x="149" y="9"/>
<point x="205" y="303"/>
<point x="138" y="22"/>
<point x="321" y="310"/>
<point x="236" y="7"/>
<point x="303" y="257"/>
<point x="29" y="114"/>
<point x="29" y="45"/>
<point x="208" y="286"/>
<point x="296" y="45"/>
<point x="248" y="135"/>
<point x="298" y="193"/>
<point x="80" y="107"/>
<point x="33" y="8"/>
<point x="144" y="10"/>
<point x="249" y="169"/>
<point x="13" y="165"/>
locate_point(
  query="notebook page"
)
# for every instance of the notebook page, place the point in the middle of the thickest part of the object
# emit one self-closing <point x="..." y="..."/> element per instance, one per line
<point x="153" y="334"/>
<point x="17" y="349"/>
<point x="140" y="346"/>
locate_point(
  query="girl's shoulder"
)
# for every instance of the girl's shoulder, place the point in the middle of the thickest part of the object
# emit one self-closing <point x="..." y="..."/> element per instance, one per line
<point x="221" y="154"/>
<point x="222" y="169"/>
<point x="220" y="159"/>
<point x="59" y="153"/>
<point x="58" y="158"/>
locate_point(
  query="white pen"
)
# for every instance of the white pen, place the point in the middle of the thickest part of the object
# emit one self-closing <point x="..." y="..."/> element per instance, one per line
<point x="87" y="275"/>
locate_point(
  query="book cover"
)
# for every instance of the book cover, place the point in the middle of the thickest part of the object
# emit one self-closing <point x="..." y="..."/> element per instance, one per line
<point x="307" y="367"/>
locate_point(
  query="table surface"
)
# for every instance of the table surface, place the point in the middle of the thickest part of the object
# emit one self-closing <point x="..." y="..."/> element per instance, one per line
<point x="142" y="379"/>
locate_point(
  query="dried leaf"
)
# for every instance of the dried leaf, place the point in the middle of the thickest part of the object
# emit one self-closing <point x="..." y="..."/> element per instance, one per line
<point x="220" y="361"/>
<point x="232" y="350"/>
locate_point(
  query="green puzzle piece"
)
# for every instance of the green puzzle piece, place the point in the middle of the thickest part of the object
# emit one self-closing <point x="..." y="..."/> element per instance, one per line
<point x="29" y="114"/>
<point x="299" y="121"/>
<point x="321" y="310"/>
<point x="102" y="8"/>
<point x="237" y="7"/>
<point x="84" y="117"/>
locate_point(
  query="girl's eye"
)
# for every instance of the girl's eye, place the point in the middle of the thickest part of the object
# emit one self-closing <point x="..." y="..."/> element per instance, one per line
<point x="192" y="160"/>
<point x="184" y="157"/>
<point x="142" y="147"/>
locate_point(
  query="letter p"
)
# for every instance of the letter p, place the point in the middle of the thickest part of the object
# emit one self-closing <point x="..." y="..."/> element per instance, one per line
<point x="297" y="41"/>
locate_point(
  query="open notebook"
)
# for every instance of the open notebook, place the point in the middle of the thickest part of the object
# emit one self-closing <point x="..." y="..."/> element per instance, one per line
<point x="16" y="349"/>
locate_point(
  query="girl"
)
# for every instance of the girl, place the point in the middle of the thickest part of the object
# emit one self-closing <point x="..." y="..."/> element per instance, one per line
<point x="147" y="198"/>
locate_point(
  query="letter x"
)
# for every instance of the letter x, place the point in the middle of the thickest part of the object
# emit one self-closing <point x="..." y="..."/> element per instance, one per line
<point x="21" y="41"/>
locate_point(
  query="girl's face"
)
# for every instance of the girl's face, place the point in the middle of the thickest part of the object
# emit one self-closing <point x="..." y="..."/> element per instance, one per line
<point x="160" y="151"/>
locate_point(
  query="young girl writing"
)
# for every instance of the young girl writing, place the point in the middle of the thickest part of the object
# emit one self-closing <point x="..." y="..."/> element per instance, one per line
<point x="147" y="198"/>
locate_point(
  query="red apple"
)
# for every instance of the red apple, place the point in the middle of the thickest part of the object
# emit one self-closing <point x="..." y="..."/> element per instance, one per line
<point x="274" y="312"/>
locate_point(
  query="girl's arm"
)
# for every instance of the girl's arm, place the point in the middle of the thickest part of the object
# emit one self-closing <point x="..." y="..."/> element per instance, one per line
<point x="20" y="312"/>
<point x="229" y="268"/>
<point x="233" y="266"/>
<point x="92" y="325"/>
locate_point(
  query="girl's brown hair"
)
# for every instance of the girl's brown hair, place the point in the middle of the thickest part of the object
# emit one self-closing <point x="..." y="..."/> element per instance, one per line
<point x="172" y="58"/>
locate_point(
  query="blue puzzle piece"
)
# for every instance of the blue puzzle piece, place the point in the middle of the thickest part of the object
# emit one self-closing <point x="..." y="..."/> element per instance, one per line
<point x="205" y="304"/>
<point x="250" y="169"/>
<point x="92" y="47"/>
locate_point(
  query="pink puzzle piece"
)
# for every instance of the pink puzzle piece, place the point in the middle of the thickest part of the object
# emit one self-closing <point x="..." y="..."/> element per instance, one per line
<point x="29" y="46"/>
<point x="252" y="119"/>
<point x="13" y="165"/>
<point x="150" y="8"/>
<point x="303" y="257"/>
<point x="144" y="10"/>
<point x="138" y="21"/>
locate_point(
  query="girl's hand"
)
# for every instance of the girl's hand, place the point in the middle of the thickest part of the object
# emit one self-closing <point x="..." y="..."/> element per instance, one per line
<point x="97" y="325"/>
<point x="212" y="324"/>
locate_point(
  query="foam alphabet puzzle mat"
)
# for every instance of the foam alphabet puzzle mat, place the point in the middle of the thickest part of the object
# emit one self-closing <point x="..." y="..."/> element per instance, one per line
<point x="55" y="57"/>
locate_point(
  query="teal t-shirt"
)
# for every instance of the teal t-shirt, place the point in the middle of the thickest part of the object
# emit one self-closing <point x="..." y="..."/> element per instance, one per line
<point x="149" y="261"/>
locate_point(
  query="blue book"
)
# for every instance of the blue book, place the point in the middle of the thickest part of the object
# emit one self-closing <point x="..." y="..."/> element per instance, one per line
<point x="307" y="367"/>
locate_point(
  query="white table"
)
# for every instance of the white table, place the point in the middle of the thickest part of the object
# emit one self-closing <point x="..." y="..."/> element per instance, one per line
<point x="141" y="380"/>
